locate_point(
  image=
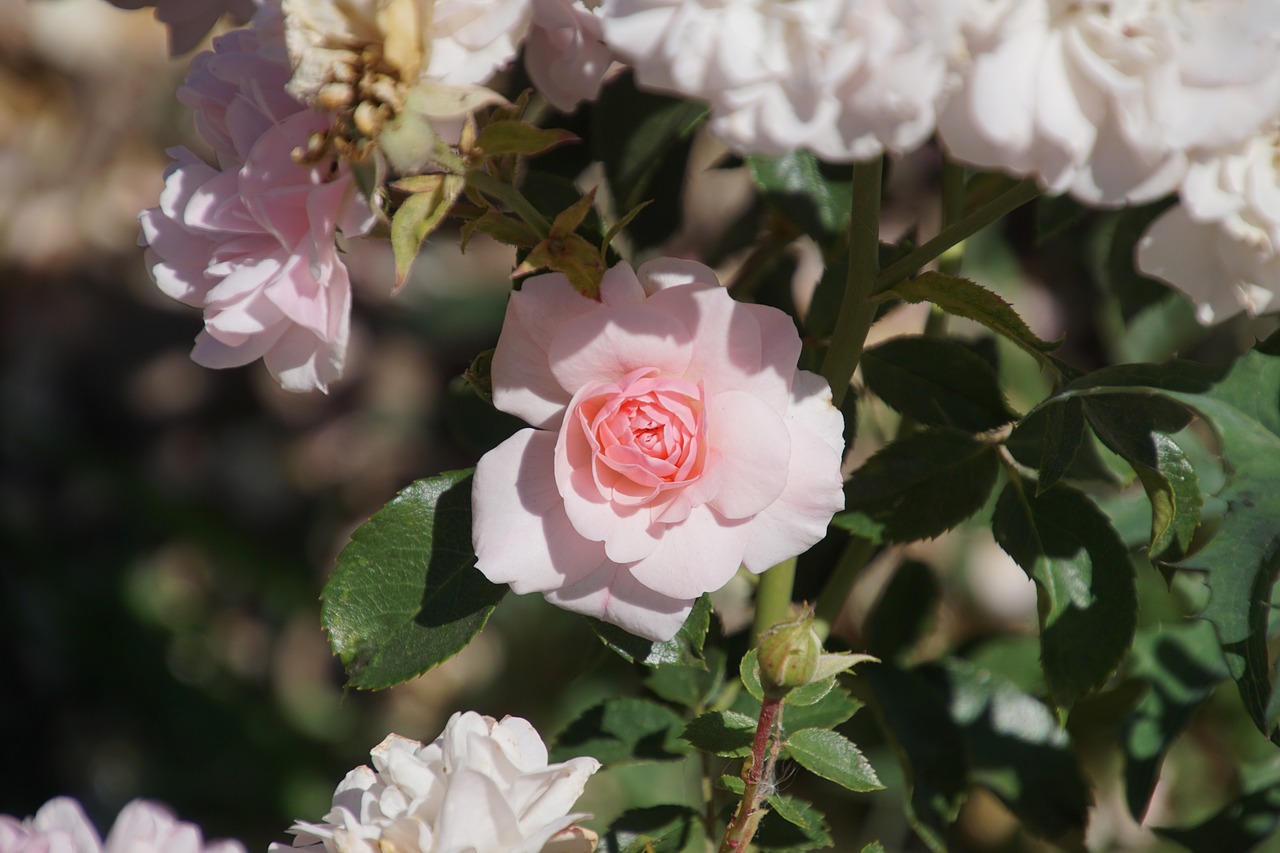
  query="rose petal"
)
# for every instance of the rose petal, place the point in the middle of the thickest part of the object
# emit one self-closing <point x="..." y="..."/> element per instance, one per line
<point x="613" y="594"/>
<point x="698" y="555"/>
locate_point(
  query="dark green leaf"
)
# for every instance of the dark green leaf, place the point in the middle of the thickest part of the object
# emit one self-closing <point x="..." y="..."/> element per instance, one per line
<point x="642" y="139"/>
<point x="1029" y="445"/>
<point x="873" y="847"/>
<point x="923" y="484"/>
<point x="406" y="595"/>
<point x="938" y="382"/>
<point x="902" y="612"/>
<point x="1063" y="435"/>
<point x="623" y="730"/>
<point x="1138" y="430"/>
<point x="725" y="733"/>
<point x="814" y="195"/>
<point x="1182" y="664"/>
<point x="657" y="829"/>
<point x="1084" y="583"/>
<point x="1133" y="290"/>
<point x="1056" y="215"/>
<point x="832" y="756"/>
<point x="518" y="137"/>
<point x="958" y="726"/>
<point x="1243" y="824"/>
<point x="684" y="648"/>
<point x="964" y="298"/>
<point x="826" y="713"/>
<point x="792" y="826"/>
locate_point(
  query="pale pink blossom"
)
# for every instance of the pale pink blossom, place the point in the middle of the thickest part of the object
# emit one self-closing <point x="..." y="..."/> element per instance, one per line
<point x="189" y="21"/>
<point x="483" y="786"/>
<point x="1221" y="245"/>
<point x="60" y="826"/>
<point x="565" y="54"/>
<point x="845" y="79"/>
<point x="251" y="240"/>
<point x="674" y="439"/>
<point x="1109" y="101"/>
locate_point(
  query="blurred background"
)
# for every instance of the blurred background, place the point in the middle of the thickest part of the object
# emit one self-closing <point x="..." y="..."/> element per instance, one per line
<point x="165" y="530"/>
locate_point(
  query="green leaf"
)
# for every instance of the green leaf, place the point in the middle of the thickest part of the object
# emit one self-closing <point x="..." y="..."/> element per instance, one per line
<point x="964" y="298"/>
<point x="902" y="612"/>
<point x="826" y="713"/>
<point x="923" y="484"/>
<point x="1084" y="583"/>
<point x="623" y="730"/>
<point x="1031" y="445"/>
<point x="688" y="685"/>
<point x="1182" y="664"/>
<point x="684" y="648"/>
<point x="724" y="733"/>
<point x="406" y="595"/>
<point x="657" y="829"/>
<point x="873" y="847"/>
<point x="958" y="726"/>
<point x="792" y="826"/>
<point x="1139" y="431"/>
<point x="518" y="137"/>
<point x="938" y="382"/>
<point x="832" y="756"/>
<point x="642" y="140"/>
<point x="1242" y="824"/>
<point x="1056" y="215"/>
<point x="1242" y="559"/>
<point x="1063" y="436"/>
<point x="419" y="215"/>
<point x="814" y="195"/>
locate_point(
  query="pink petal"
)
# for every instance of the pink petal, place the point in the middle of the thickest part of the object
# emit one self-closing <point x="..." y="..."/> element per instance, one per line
<point x="613" y="594"/>
<point x="755" y="447"/>
<point x="698" y="555"/>
<point x="521" y="534"/>
<point x="605" y="345"/>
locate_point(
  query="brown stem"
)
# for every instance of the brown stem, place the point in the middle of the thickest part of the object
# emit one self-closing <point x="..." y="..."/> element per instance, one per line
<point x="742" y="828"/>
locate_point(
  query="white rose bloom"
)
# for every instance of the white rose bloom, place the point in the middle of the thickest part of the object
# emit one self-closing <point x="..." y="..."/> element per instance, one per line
<point x="846" y="79"/>
<point x="60" y="826"/>
<point x="1109" y="100"/>
<point x="483" y="786"/>
<point x="1219" y="246"/>
<point x="566" y="55"/>
<point x="456" y="42"/>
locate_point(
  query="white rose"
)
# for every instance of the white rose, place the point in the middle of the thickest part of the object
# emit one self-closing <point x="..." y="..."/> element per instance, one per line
<point x="483" y="786"/>
<point x="1219" y="246"/>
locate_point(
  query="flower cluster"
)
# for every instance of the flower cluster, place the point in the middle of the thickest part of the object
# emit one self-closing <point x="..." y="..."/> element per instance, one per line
<point x="674" y="440"/>
<point x="60" y="826"/>
<point x="252" y="239"/>
<point x="483" y="786"/>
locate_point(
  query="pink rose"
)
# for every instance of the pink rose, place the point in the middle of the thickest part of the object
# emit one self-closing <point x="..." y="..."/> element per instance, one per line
<point x="60" y="826"/>
<point x="565" y="54"/>
<point x="252" y="240"/>
<point x="674" y="440"/>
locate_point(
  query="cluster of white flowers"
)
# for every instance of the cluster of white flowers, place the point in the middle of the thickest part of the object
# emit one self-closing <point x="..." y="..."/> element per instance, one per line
<point x="483" y="786"/>
<point x="61" y="826"/>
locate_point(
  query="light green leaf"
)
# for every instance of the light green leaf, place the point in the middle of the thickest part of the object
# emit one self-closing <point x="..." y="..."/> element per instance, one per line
<point x="832" y="756"/>
<point x="1084" y="583"/>
<point x="406" y="595"/>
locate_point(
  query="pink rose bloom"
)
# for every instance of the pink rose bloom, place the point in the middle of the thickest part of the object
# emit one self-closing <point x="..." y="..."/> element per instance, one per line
<point x="189" y="21"/>
<point x="252" y="240"/>
<point x="674" y="440"/>
<point x="60" y="826"/>
<point x="565" y="54"/>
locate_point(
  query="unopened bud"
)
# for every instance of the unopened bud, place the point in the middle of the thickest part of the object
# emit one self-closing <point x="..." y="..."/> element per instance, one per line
<point x="789" y="653"/>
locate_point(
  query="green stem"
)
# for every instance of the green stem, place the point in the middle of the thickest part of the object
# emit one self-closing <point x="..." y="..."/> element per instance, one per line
<point x="512" y="198"/>
<point x="1011" y="199"/>
<point x="833" y="596"/>
<point x="857" y="311"/>
<point x="773" y="597"/>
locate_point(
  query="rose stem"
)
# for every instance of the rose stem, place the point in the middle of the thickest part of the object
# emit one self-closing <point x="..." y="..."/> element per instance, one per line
<point x="742" y="828"/>
<point x="773" y="597"/>
<point x="857" y="310"/>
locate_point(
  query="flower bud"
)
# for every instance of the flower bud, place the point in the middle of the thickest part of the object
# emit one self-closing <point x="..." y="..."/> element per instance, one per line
<point x="789" y="653"/>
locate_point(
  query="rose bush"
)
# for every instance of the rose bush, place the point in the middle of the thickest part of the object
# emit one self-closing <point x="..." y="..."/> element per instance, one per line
<point x="60" y="826"/>
<point x="483" y="786"/>
<point x="674" y="440"/>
